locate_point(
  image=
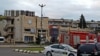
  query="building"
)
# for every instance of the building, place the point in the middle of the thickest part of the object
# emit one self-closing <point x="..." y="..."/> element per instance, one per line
<point x="58" y="27"/>
<point x="15" y="13"/>
<point x="24" y="26"/>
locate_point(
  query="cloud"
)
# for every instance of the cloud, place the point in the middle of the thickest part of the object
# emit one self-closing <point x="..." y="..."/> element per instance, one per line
<point x="69" y="9"/>
<point x="96" y="5"/>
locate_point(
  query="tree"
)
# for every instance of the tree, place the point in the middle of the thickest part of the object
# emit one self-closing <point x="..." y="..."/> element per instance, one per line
<point x="38" y="39"/>
<point x="82" y="23"/>
<point x="2" y="17"/>
<point x="92" y="21"/>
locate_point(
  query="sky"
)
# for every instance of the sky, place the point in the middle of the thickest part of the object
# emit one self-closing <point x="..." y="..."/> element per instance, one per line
<point x="56" y="9"/>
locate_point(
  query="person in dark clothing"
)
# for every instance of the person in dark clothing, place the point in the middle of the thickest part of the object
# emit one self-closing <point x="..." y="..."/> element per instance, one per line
<point x="77" y="46"/>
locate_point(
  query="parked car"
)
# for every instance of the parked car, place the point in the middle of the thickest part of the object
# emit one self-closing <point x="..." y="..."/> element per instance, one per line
<point x="2" y="39"/>
<point x="59" y="50"/>
<point x="89" y="49"/>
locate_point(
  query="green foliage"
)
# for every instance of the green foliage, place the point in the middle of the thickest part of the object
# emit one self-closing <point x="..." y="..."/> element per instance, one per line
<point x="2" y="17"/>
<point x="33" y="49"/>
<point x="82" y="23"/>
<point x="38" y="39"/>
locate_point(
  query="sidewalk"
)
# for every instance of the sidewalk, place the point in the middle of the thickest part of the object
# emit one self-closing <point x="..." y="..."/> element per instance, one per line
<point x="18" y="46"/>
<point x="21" y="45"/>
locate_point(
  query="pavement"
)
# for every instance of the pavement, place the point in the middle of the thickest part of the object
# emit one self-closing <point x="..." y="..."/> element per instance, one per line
<point x="11" y="52"/>
<point x="21" y="45"/>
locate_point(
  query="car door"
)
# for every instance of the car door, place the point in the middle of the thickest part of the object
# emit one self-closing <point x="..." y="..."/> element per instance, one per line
<point x="55" y="50"/>
<point x="63" y="51"/>
<point x="98" y="48"/>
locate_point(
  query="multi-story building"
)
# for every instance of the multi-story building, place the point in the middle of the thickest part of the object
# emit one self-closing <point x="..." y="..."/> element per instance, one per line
<point x="15" y="13"/>
<point x="24" y="26"/>
<point x="92" y="25"/>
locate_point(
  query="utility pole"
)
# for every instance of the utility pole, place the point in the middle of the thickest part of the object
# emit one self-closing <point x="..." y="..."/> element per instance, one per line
<point x="41" y="36"/>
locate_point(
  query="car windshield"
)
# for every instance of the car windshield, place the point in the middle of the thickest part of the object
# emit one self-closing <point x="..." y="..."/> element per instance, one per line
<point x="69" y="47"/>
<point x="87" y="47"/>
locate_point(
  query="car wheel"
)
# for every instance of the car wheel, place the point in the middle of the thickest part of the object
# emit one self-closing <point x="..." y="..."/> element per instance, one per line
<point x="71" y="54"/>
<point x="48" y="54"/>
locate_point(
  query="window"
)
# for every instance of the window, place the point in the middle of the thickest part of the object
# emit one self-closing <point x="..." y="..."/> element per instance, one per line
<point x="69" y="47"/>
<point x="87" y="47"/>
<point x="61" y="47"/>
<point x="55" y="46"/>
<point x="27" y="12"/>
<point x="42" y="30"/>
<point x="22" y="12"/>
<point x="28" y="38"/>
<point x="27" y="29"/>
<point x="17" y="13"/>
<point x="98" y="46"/>
<point x="1" y="39"/>
<point x="12" y="21"/>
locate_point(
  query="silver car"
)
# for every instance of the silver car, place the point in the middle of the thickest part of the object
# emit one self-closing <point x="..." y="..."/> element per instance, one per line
<point x="59" y="50"/>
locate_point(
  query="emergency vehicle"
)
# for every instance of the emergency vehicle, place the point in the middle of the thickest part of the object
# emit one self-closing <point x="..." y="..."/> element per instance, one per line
<point x="77" y="37"/>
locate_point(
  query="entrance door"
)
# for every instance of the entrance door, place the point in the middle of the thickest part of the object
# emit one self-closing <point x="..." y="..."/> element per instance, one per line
<point x="28" y="39"/>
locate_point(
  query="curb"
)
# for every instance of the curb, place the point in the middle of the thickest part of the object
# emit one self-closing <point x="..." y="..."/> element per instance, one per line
<point x="27" y="51"/>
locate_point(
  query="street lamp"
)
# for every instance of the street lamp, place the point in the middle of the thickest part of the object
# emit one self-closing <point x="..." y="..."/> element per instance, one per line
<point x="41" y="5"/>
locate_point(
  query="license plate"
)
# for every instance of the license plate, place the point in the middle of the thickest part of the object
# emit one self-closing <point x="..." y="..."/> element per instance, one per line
<point x="85" y="54"/>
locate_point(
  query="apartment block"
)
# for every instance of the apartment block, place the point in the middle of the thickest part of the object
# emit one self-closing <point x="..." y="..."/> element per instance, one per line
<point x="15" y="13"/>
<point x="25" y="28"/>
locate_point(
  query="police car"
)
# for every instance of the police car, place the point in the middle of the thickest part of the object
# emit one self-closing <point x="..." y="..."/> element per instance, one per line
<point x="59" y="50"/>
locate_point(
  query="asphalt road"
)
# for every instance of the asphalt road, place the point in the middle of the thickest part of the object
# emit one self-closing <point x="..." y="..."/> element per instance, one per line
<point x="10" y="52"/>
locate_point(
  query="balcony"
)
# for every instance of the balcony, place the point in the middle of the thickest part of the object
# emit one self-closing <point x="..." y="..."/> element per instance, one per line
<point x="6" y="34"/>
<point x="9" y="18"/>
<point x="9" y="33"/>
<point x="8" y="26"/>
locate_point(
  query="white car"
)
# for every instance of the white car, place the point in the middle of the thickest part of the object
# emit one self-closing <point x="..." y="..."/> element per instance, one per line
<point x="59" y="50"/>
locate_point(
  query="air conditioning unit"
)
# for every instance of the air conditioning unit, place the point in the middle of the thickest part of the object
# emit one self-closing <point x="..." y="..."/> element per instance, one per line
<point x="32" y="30"/>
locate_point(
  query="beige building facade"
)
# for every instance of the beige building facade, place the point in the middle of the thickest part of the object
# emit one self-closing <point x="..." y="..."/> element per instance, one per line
<point x="26" y="27"/>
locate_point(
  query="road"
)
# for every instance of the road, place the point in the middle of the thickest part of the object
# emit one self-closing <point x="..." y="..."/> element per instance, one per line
<point x="9" y="52"/>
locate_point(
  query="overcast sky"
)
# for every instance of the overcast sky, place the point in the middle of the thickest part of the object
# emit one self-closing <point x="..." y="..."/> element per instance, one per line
<point x="67" y="9"/>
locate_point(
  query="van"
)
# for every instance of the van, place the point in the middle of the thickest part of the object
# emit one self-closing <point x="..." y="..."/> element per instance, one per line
<point x="89" y="49"/>
<point x="2" y="39"/>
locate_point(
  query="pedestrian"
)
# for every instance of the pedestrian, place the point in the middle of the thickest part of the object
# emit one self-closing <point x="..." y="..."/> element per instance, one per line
<point x="77" y="45"/>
